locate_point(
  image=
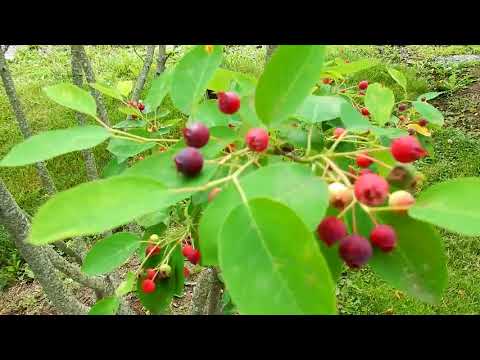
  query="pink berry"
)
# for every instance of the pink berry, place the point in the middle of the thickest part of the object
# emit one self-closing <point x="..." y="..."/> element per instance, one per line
<point x="331" y="229"/>
<point x="338" y="132"/>
<point x="189" y="161"/>
<point x="228" y="102"/>
<point x="401" y="198"/>
<point x="196" y="135"/>
<point x="363" y="160"/>
<point x="355" y="250"/>
<point x="371" y="189"/>
<point x="257" y="139"/>
<point x="363" y="85"/>
<point x="384" y="237"/>
<point x="407" y="149"/>
<point x="365" y="112"/>
<point x="148" y="286"/>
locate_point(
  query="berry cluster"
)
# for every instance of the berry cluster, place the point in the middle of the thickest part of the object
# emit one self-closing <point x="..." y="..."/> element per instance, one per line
<point x="163" y="271"/>
<point x="136" y="104"/>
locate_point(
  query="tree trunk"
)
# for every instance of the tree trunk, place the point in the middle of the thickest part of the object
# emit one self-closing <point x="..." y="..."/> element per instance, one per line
<point x="215" y="294"/>
<point x="142" y="77"/>
<point x="270" y="50"/>
<point x="161" y="59"/>
<point x="42" y="170"/>
<point x="208" y="288"/>
<point x="17" y="224"/>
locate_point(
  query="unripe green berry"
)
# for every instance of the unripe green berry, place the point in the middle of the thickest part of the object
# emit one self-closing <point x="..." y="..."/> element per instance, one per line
<point x="164" y="271"/>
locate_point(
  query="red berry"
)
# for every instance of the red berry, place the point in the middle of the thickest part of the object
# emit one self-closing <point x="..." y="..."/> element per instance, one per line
<point x="141" y="106"/>
<point x="363" y="85"/>
<point x="365" y="112"/>
<point x="366" y="171"/>
<point x="327" y="81"/>
<point x="355" y="250"/>
<point x="151" y="273"/>
<point x="152" y="250"/>
<point x="402" y="107"/>
<point x="189" y="161"/>
<point x="407" y="149"/>
<point x="363" y="160"/>
<point x="257" y="139"/>
<point x="194" y="257"/>
<point x="196" y="135"/>
<point x="338" y="132"/>
<point x="228" y="102"/>
<point x="401" y="118"/>
<point x="186" y="272"/>
<point x="384" y="237"/>
<point x="371" y="189"/>
<point x="422" y="122"/>
<point x="187" y="250"/>
<point x="331" y="229"/>
<point x="148" y="286"/>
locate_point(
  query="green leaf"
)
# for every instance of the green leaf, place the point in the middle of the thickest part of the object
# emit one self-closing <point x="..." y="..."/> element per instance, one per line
<point x="125" y="87"/>
<point x="50" y="144"/>
<point x="417" y="266"/>
<point x="221" y="80"/>
<point x="192" y="74"/>
<point x="98" y="206"/>
<point x="287" y="80"/>
<point x="130" y="124"/>
<point x="332" y="258"/>
<point x="177" y="263"/>
<point x="398" y="77"/>
<point x="113" y="168"/>
<point x="107" y="90"/>
<point x="288" y="183"/>
<point x="248" y="115"/>
<point x="299" y="137"/>
<point x="429" y="112"/>
<point x="353" y="67"/>
<point x="290" y="274"/>
<point x="127" y="285"/>
<point x="129" y="110"/>
<point x="453" y="205"/>
<point x="209" y="114"/>
<point x="352" y="119"/>
<point x="157" y="92"/>
<point x="123" y="148"/>
<point x="379" y="100"/>
<point x="105" y="306"/>
<point x="73" y="97"/>
<point x="108" y="254"/>
<point x="154" y="218"/>
<point x="430" y="95"/>
<point x="316" y="109"/>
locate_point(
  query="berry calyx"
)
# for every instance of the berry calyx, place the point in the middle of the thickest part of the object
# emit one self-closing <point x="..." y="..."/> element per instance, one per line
<point x="151" y="273"/>
<point x="257" y="139"/>
<point x="384" y="237"/>
<point x="228" y="102"/>
<point x="371" y="189"/>
<point x="422" y="122"/>
<point x="164" y="271"/>
<point x="186" y="272"/>
<point x="363" y="160"/>
<point x="148" y="286"/>
<point x="152" y="250"/>
<point x="401" y="198"/>
<point x="363" y="85"/>
<point x="355" y="250"/>
<point x="331" y="230"/>
<point x="196" y="135"/>
<point x="407" y="149"/>
<point x="339" y="195"/>
<point x="365" y="112"/>
<point x="338" y="132"/>
<point x="213" y="194"/>
<point x="189" y="161"/>
<point x="402" y="107"/>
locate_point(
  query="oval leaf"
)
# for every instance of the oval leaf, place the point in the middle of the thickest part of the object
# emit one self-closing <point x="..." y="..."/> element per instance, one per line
<point x="105" y="306"/>
<point x="127" y="285"/>
<point x="108" y="254"/>
<point x="289" y="277"/>
<point x="107" y="90"/>
<point x="125" y="87"/>
<point x="316" y="109"/>
<point x="158" y="91"/>
<point x="352" y="119"/>
<point x="123" y="149"/>
<point x="50" y="144"/>
<point x="429" y="112"/>
<point x="453" y="205"/>
<point x="287" y="80"/>
<point x="430" y="95"/>
<point x="398" y="77"/>
<point x="73" y="97"/>
<point x="379" y="100"/>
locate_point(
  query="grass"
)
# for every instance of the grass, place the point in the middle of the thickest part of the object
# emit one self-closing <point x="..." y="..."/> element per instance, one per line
<point x="456" y="152"/>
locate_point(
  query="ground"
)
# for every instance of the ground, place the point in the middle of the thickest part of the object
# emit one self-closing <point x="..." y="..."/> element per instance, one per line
<point x="456" y="154"/>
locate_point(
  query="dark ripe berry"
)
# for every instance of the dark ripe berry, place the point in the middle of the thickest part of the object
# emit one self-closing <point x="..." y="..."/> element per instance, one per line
<point x="371" y="189"/>
<point x="355" y="250"/>
<point x="196" y="135"/>
<point x="148" y="286"/>
<point x="422" y="122"/>
<point x="189" y="161"/>
<point x="338" y="132"/>
<point x="213" y="193"/>
<point x="194" y="257"/>
<point x="151" y="273"/>
<point x="331" y="229"/>
<point x="257" y="139"/>
<point x="407" y="149"/>
<point x="384" y="237"/>
<point x="186" y="272"/>
<point x="152" y="250"/>
<point x="411" y="132"/>
<point x="363" y="85"/>
<point x="363" y="160"/>
<point x="141" y="106"/>
<point x="402" y="107"/>
<point x="365" y="112"/>
<point x="228" y="102"/>
<point x="187" y="250"/>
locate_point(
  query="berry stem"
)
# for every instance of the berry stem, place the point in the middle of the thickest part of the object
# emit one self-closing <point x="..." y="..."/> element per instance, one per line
<point x="345" y="210"/>
<point x="379" y="162"/>
<point x="354" y="221"/>
<point x="336" y="169"/>
<point x="337" y="141"/>
<point x="309" y="140"/>
<point x="388" y="208"/>
<point x="370" y="215"/>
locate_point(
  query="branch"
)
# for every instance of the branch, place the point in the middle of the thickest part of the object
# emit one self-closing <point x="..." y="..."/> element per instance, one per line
<point x="142" y="77"/>
<point x="161" y="59"/>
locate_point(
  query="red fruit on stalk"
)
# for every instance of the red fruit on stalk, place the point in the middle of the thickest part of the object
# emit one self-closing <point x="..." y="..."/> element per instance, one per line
<point x="228" y="102"/>
<point x="187" y="250"/>
<point x="196" y="135"/>
<point x="384" y="237"/>
<point x="338" y="132"/>
<point x="402" y="107"/>
<point x="355" y="250"/>
<point x="407" y="149"/>
<point x="363" y="85"/>
<point x="189" y="161"/>
<point x="152" y="250"/>
<point x="257" y="139"/>
<point x="186" y="272"/>
<point x="194" y="257"/>
<point x="327" y="81"/>
<point x="331" y="230"/>
<point x="148" y="286"/>
<point x="422" y="122"/>
<point x="141" y="106"/>
<point x="365" y="112"/>
<point x="363" y="160"/>
<point x="151" y="273"/>
<point x="371" y="189"/>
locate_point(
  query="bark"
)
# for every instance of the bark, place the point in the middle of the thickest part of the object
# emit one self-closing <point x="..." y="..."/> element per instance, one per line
<point x="206" y="282"/>
<point x="142" y="77"/>
<point x="161" y="59"/>
<point x="91" y="167"/>
<point x="17" y="224"/>
<point x="62" y="246"/>
<point x="270" y="50"/>
<point x="90" y="76"/>
<point x="214" y="299"/>
<point x="42" y="170"/>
